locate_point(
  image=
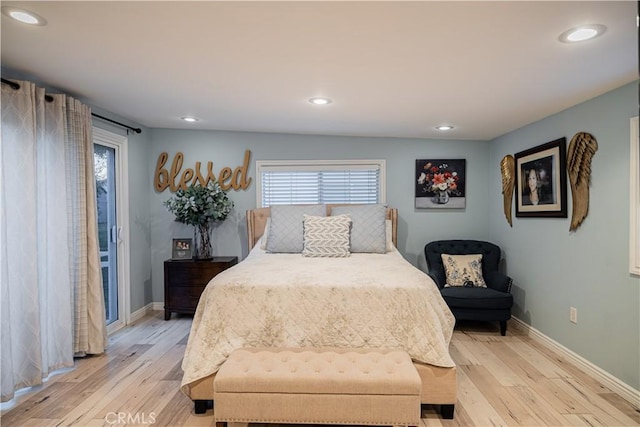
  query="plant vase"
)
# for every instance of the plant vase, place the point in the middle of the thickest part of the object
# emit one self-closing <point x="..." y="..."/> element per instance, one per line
<point x="202" y="241"/>
<point x="441" y="197"/>
<point x="201" y="207"/>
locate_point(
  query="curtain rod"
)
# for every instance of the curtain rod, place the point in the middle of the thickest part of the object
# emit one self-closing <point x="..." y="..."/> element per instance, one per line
<point x="49" y="98"/>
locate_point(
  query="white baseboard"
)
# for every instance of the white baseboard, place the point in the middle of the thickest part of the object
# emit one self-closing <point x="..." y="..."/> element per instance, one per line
<point x="141" y="312"/>
<point x="158" y="306"/>
<point x="614" y="384"/>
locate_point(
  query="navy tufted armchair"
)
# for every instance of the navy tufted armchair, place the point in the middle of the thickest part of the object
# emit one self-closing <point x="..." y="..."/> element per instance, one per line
<point x="492" y="303"/>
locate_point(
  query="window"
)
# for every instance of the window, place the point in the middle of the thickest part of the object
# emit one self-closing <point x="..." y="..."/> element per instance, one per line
<point x="634" y="199"/>
<point x="320" y="182"/>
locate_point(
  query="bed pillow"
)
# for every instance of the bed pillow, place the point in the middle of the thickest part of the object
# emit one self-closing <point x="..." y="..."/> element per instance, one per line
<point x="285" y="230"/>
<point x="460" y="269"/>
<point x="389" y="233"/>
<point x="326" y="236"/>
<point x="265" y="235"/>
<point x="368" y="228"/>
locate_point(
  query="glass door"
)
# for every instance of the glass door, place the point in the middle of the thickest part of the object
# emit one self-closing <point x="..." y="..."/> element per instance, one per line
<point x="108" y="230"/>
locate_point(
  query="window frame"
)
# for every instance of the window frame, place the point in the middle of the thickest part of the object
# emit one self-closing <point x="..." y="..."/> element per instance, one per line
<point x="121" y="144"/>
<point x="634" y="198"/>
<point x="330" y="164"/>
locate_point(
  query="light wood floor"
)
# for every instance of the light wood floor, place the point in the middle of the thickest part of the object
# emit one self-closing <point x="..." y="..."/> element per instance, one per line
<point x="501" y="381"/>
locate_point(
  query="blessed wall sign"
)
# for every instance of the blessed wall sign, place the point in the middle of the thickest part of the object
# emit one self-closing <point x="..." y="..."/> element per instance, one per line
<point x="175" y="178"/>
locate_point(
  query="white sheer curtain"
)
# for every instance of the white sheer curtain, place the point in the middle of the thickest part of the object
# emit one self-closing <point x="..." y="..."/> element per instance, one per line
<point x="51" y="297"/>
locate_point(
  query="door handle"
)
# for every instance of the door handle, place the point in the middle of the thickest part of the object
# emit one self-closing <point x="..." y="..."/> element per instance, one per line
<point x="113" y="234"/>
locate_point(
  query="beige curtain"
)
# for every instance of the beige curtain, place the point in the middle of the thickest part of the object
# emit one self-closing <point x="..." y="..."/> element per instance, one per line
<point x="89" y="326"/>
<point x="50" y="278"/>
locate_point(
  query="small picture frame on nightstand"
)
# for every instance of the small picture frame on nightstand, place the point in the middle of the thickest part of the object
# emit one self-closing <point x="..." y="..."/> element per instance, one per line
<point x="182" y="249"/>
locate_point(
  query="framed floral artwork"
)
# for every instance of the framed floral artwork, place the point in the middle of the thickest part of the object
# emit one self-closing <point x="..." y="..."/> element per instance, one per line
<point x="440" y="184"/>
<point x="541" y="180"/>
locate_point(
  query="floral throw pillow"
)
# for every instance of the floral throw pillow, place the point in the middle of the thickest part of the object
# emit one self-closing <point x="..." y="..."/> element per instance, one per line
<point x="460" y="269"/>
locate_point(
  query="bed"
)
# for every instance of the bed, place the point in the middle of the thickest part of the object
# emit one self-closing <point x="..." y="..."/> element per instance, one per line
<point x="287" y="300"/>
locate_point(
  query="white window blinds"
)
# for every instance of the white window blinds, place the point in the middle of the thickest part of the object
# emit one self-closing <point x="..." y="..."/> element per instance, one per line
<point x="310" y="182"/>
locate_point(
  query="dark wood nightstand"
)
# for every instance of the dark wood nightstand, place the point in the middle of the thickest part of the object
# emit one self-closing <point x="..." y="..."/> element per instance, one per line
<point x="184" y="281"/>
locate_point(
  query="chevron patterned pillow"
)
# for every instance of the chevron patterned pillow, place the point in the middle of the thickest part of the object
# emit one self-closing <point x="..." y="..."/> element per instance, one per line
<point x="326" y="236"/>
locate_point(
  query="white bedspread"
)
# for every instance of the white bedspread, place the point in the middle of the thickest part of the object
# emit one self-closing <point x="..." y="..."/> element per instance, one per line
<point x="286" y="300"/>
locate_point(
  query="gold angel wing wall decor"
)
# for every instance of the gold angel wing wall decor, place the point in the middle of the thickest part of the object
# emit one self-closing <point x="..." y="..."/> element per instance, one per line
<point x="508" y="169"/>
<point x="581" y="150"/>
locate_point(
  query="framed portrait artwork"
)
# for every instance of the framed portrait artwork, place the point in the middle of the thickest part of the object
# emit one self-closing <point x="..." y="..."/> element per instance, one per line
<point x="541" y="180"/>
<point x="440" y="183"/>
<point x="182" y="249"/>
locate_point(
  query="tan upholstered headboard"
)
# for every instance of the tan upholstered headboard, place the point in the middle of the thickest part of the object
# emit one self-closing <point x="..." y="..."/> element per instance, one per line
<point x="257" y="221"/>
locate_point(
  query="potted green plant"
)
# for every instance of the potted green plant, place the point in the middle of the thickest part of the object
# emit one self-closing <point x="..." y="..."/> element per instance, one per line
<point x="201" y="207"/>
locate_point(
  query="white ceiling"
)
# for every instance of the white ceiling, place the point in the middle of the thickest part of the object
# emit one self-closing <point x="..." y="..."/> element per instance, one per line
<point x="393" y="69"/>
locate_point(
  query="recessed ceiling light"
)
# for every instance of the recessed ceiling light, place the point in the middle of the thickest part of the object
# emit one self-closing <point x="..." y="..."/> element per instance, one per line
<point x="582" y="33"/>
<point x="444" y="127"/>
<point x="189" y="119"/>
<point x="23" y="16"/>
<point x="318" y="100"/>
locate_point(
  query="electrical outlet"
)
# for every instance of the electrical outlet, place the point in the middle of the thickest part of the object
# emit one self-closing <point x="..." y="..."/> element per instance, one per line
<point x="573" y="315"/>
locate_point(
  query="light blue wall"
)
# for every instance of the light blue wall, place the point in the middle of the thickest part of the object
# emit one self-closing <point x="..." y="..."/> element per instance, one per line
<point x="554" y="269"/>
<point x="415" y="228"/>
<point x="139" y="224"/>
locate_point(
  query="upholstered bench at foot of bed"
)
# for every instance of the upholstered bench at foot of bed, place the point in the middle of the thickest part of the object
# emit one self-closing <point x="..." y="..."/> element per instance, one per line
<point x="319" y="386"/>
